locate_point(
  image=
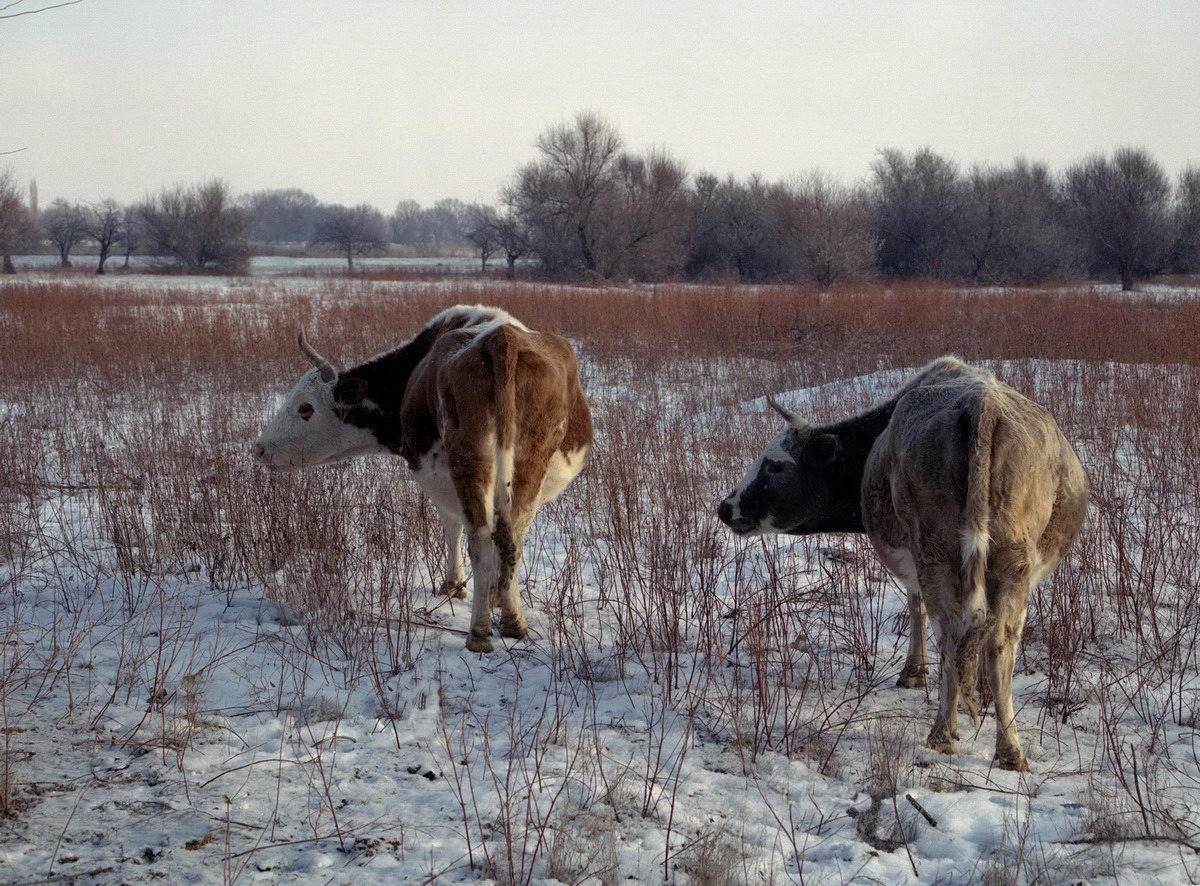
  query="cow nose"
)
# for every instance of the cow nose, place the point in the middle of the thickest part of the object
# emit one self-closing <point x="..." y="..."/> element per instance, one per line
<point x="725" y="512"/>
<point x="258" y="450"/>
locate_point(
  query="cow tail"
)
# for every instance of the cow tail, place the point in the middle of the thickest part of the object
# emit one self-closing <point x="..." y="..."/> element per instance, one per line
<point x="975" y="538"/>
<point x="504" y="358"/>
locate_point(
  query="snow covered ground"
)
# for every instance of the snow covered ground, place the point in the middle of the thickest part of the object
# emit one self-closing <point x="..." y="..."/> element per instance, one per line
<point x="688" y="708"/>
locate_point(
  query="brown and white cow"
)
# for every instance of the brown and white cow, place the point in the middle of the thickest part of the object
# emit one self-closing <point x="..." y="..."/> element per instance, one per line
<point x="490" y="416"/>
<point x="969" y="493"/>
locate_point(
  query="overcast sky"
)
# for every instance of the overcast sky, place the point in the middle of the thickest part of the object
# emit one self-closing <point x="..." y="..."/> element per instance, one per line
<point x="377" y="100"/>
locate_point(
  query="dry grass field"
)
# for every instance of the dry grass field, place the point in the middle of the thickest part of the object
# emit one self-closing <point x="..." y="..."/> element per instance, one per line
<point x="209" y="673"/>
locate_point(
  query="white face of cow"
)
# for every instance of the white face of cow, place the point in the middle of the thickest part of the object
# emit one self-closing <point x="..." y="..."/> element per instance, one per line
<point x="308" y="430"/>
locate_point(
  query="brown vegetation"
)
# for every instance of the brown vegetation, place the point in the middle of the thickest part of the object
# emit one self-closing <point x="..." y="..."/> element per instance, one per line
<point x="143" y="402"/>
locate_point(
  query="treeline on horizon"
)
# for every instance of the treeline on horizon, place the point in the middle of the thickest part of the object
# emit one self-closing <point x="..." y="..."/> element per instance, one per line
<point x="586" y="208"/>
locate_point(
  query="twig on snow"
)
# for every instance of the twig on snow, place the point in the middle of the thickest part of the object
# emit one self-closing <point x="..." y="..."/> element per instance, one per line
<point x="921" y="809"/>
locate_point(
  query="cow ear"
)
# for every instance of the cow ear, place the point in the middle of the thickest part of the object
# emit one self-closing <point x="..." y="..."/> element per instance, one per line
<point x="350" y="391"/>
<point x="823" y="450"/>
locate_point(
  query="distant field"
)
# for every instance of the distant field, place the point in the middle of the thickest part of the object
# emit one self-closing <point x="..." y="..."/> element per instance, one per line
<point x="214" y="674"/>
<point x="268" y="265"/>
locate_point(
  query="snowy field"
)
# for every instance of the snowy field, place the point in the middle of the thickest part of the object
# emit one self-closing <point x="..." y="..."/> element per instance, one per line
<point x="215" y="675"/>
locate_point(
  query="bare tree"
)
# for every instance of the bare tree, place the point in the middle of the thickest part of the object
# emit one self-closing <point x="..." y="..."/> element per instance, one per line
<point x="824" y="228"/>
<point x="352" y="230"/>
<point x="105" y="222"/>
<point x="281" y="215"/>
<point x="586" y="207"/>
<point x="1012" y="229"/>
<point x="749" y="234"/>
<point x="563" y="197"/>
<point x="493" y="230"/>
<point x="200" y="226"/>
<point x="983" y="222"/>
<point x="166" y="222"/>
<point x="811" y="228"/>
<point x="648" y="218"/>
<point x="1185" y="253"/>
<point x="513" y="238"/>
<point x="480" y="228"/>
<point x="1120" y="205"/>
<point x="735" y="229"/>
<point x="444" y="221"/>
<point x="442" y="224"/>
<point x="918" y="205"/>
<point x="132" y="231"/>
<point x="580" y="157"/>
<point x="15" y="224"/>
<point x="532" y="197"/>
<point x="64" y="225"/>
<point x="702" y="238"/>
<point x="405" y="222"/>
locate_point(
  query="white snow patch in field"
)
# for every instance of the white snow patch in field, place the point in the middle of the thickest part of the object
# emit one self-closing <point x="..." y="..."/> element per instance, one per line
<point x="193" y="734"/>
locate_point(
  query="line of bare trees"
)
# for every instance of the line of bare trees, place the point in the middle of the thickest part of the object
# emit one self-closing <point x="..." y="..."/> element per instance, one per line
<point x="290" y="215"/>
<point x="587" y="207"/>
<point x="203" y="227"/>
<point x="200" y="227"/>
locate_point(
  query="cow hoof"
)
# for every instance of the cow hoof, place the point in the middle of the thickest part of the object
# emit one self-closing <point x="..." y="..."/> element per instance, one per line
<point x="911" y="680"/>
<point x="514" y="629"/>
<point x="476" y="643"/>
<point x="1013" y="761"/>
<point x="456" y="590"/>
<point x="942" y="743"/>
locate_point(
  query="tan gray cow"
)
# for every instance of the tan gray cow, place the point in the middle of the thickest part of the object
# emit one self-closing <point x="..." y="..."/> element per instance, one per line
<point x="491" y="418"/>
<point x="969" y="493"/>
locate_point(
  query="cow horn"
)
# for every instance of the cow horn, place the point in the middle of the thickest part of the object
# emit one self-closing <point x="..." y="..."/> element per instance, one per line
<point x="790" y="417"/>
<point x="328" y="373"/>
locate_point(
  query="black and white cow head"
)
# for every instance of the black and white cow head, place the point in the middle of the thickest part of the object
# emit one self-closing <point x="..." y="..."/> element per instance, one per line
<point x="794" y="487"/>
<point x="310" y="427"/>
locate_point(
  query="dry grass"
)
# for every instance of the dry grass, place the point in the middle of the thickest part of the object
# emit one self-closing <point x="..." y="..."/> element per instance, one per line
<point x="141" y="402"/>
<point x="60" y="329"/>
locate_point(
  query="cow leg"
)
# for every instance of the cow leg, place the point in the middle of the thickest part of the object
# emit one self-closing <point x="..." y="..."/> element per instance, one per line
<point x="1000" y="660"/>
<point x="455" y="583"/>
<point x="944" y="734"/>
<point x="916" y="665"/>
<point x="530" y="476"/>
<point x="968" y="683"/>
<point x="940" y="585"/>
<point x="509" y="544"/>
<point x="900" y="563"/>
<point x="471" y="468"/>
<point x="483" y="565"/>
<point x="1009" y="601"/>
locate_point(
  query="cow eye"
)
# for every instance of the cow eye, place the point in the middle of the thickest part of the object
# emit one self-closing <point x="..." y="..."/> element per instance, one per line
<point x="774" y="467"/>
<point x="305" y="411"/>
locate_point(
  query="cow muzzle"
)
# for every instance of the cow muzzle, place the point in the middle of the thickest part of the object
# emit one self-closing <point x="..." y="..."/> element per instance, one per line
<point x="728" y="513"/>
<point x="265" y="456"/>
